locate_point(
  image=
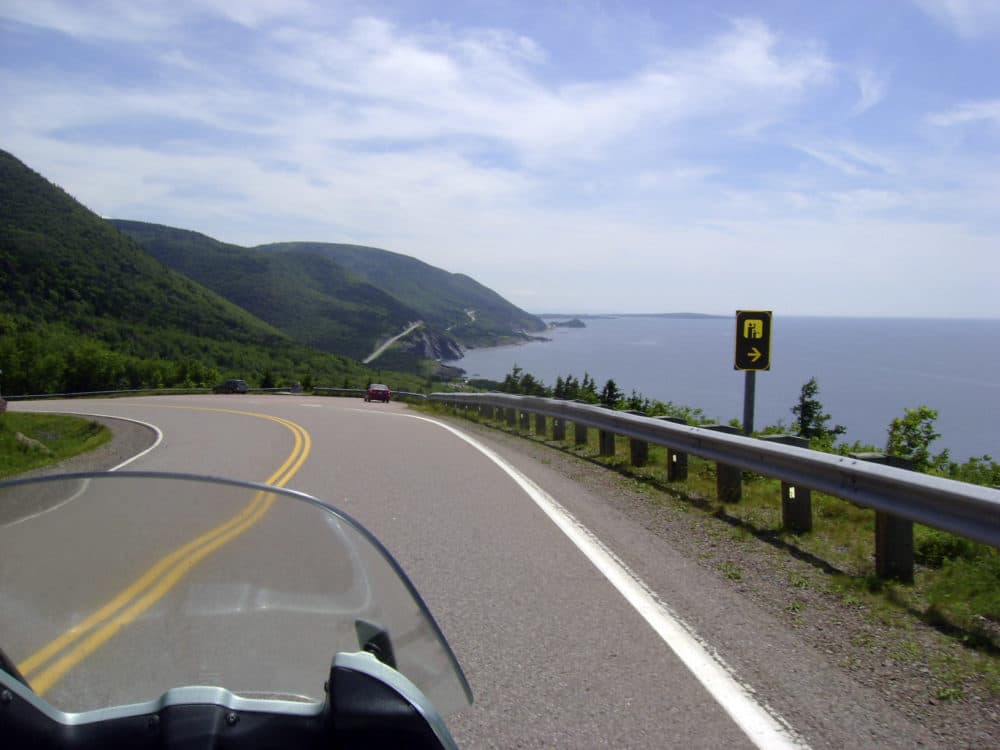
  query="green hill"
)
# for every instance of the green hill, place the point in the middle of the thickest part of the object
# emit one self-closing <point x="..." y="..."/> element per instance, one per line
<point x="470" y="312"/>
<point x="304" y="294"/>
<point x="344" y="299"/>
<point x="84" y="307"/>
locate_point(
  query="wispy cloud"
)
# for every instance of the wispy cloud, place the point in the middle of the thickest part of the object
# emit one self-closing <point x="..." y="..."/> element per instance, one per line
<point x="967" y="18"/>
<point x="849" y="158"/>
<point x="980" y="111"/>
<point x="871" y="88"/>
<point x="488" y="148"/>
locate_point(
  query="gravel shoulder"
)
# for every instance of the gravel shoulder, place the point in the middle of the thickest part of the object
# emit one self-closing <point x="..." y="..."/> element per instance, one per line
<point x="894" y="664"/>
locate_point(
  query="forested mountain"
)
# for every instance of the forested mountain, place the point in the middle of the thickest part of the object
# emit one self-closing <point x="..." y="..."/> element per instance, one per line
<point x="83" y="307"/>
<point x="304" y="294"/>
<point x="342" y="298"/>
<point x="470" y="312"/>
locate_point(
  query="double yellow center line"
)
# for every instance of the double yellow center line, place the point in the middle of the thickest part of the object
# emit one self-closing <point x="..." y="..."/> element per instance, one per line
<point x="77" y="643"/>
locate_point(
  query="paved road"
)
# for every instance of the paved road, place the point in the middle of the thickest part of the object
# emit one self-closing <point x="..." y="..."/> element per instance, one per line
<point x="382" y="347"/>
<point x="563" y="647"/>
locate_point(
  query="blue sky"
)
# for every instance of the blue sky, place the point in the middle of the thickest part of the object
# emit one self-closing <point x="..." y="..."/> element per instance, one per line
<point x="809" y="158"/>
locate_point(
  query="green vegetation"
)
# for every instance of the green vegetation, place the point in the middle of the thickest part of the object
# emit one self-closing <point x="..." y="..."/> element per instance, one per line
<point x="303" y="294"/>
<point x="342" y="299"/>
<point x="29" y="441"/>
<point x="910" y="438"/>
<point x="811" y="421"/>
<point x="84" y="307"/>
<point x="469" y="312"/>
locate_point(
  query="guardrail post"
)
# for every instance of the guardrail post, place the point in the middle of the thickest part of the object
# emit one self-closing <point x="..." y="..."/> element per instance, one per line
<point x="541" y="428"/>
<point x="796" y="501"/>
<point x="512" y="417"/>
<point x="638" y="449"/>
<point x="606" y="443"/>
<point x="579" y="433"/>
<point x="728" y="479"/>
<point x="893" y="535"/>
<point x="558" y="428"/>
<point x="525" y="421"/>
<point x="677" y="461"/>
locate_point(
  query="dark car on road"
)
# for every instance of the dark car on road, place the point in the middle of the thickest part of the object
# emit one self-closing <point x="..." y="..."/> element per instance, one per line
<point x="378" y="392"/>
<point x="232" y="386"/>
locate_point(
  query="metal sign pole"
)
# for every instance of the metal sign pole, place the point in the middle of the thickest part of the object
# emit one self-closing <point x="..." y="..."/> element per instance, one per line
<point x="749" y="394"/>
<point x="753" y="352"/>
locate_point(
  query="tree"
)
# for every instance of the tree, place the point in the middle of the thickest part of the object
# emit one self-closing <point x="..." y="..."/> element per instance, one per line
<point x="610" y="395"/>
<point x="910" y="437"/>
<point x="636" y="402"/>
<point x="810" y="417"/>
<point x="560" y="388"/>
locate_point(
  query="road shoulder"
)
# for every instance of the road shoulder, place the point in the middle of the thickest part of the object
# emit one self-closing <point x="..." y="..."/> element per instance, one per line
<point x="862" y="691"/>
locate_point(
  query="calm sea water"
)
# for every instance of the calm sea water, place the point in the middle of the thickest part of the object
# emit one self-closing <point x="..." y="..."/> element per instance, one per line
<point x="868" y="370"/>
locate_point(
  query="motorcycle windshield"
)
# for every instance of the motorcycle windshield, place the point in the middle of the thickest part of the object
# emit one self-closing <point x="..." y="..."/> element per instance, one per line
<point x="115" y="588"/>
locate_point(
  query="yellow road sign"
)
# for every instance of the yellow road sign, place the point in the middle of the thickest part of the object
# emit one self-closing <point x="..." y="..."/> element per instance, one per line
<point x="753" y="340"/>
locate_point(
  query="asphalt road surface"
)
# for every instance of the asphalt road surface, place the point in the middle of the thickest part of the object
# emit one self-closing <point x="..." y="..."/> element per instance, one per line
<point x="575" y="627"/>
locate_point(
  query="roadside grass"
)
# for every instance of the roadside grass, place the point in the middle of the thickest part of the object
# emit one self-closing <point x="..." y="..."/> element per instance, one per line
<point x="49" y="438"/>
<point x="956" y="587"/>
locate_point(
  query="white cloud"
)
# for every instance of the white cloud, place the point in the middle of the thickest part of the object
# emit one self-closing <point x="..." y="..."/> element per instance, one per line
<point x="967" y="18"/>
<point x="850" y="158"/>
<point x="980" y="111"/>
<point x="482" y="151"/>
<point x="122" y="20"/>
<point x="871" y="89"/>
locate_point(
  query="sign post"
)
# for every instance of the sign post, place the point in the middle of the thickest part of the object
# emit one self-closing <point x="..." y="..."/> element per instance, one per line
<point x="753" y="353"/>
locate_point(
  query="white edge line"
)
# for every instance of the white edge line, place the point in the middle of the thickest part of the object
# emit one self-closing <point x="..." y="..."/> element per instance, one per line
<point x="122" y="465"/>
<point x="760" y="724"/>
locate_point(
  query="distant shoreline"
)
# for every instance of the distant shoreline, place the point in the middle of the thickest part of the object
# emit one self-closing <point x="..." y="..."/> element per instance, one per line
<point x="612" y="316"/>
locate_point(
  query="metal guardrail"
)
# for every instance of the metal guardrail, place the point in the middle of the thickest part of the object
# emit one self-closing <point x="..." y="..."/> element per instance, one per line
<point x="964" y="509"/>
<point x="362" y="391"/>
<point x="86" y="394"/>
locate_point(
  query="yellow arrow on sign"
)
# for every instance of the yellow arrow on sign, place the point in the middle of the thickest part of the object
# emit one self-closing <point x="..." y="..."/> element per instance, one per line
<point x="755" y="354"/>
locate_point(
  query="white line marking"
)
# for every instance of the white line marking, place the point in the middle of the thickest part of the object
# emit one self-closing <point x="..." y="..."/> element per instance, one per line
<point x="84" y="485"/>
<point x="760" y="724"/>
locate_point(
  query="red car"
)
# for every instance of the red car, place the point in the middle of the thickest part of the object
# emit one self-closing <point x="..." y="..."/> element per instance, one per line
<point x="378" y="392"/>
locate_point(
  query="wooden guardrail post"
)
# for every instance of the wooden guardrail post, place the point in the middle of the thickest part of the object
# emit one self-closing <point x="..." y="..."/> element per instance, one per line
<point x="606" y="443"/>
<point x="893" y="535"/>
<point x="728" y="479"/>
<point x="541" y="426"/>
<point x="677" y="461"/>
<point x="796" y="501"/>
<point x="558" y="428"/>
<point x="512" y="417"/>
<point x="638" y="449"/>
<point x="579" y="433"/>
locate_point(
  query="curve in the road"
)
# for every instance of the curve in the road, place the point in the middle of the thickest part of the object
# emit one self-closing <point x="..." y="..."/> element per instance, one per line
<point x="159" y="579"/>
<point x="760" y="725"/>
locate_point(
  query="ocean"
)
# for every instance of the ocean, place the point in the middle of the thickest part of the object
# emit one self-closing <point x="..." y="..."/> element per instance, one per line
<point x="868" y="370"/>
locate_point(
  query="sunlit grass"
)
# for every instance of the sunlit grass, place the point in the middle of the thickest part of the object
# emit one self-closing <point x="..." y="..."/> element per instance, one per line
<point x="46" y="439"/>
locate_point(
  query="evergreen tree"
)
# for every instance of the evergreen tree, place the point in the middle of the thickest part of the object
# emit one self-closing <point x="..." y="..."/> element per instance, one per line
<point x="610" y="395"/>
<point x="560" y="389"/>
<point x="810" y="417"/>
